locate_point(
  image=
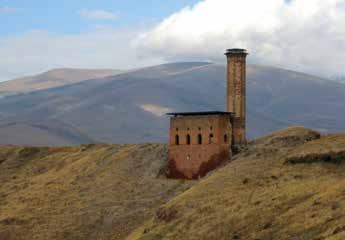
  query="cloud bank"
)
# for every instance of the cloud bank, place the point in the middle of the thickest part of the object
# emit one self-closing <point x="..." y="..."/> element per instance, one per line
<point x="37" y="51"/>
<point x="304" y="35"/>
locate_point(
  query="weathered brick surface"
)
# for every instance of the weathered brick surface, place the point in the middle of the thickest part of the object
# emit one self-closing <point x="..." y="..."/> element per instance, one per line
<point x="194" y="160"/>
<point x="236" y="93"/>
<point x="188" y="158"/>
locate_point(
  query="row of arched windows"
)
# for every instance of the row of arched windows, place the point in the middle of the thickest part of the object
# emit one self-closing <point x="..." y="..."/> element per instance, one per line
<point x="211" y="128"/>
<point x="200" y="140"/>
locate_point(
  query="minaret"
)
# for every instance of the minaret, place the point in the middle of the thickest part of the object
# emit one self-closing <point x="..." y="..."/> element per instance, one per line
<point x="236" y="92"/>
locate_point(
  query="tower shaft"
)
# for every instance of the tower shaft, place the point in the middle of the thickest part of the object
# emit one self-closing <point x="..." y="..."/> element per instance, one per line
<point x="236" y="92"/>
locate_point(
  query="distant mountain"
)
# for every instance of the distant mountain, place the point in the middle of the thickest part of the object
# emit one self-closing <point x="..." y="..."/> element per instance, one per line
<point x="130" y="107"/>
<point x="53" y="78"/>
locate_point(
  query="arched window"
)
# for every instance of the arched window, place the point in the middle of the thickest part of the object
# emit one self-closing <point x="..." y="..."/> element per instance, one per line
<point x="199" y="139"/>
<point x="210" y="139"/>
<point x="226" y="138"/>
<point x="188" y="139"/>
<point x="177" y="140"/>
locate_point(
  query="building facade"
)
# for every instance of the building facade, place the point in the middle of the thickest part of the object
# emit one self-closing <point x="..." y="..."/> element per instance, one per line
<point x="199" y="142"/>
<point x="202" y="141"/>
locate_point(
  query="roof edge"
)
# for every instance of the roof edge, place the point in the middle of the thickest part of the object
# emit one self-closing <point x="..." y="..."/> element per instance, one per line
<point x="199" y="113"/>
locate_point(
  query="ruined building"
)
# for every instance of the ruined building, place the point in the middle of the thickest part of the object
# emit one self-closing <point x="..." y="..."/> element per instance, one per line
<point x="201" y="141"/>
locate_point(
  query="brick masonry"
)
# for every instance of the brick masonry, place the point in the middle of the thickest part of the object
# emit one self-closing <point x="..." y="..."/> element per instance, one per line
<point x="236" y="93"/>
<point x="199" y="143"/>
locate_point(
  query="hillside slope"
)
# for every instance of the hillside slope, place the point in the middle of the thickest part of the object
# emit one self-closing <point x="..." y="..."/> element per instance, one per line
<point x="284" y="186"/>
<point x="130" y="107"/>
<point x="87" y="192"/>
<point x="262" y="195"/>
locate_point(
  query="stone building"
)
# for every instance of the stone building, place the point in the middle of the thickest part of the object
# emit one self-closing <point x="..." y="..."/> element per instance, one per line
<point x="201" y="141"/>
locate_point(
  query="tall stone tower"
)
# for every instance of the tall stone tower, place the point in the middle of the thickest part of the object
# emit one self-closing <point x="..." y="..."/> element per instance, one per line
<point x="236" y="92"/>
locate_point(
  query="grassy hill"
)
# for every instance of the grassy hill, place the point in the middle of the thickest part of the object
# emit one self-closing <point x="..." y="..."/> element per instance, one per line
<point x="87" y="192"/>
<point x="288" y="185"/>
<point x="263" y="194"/>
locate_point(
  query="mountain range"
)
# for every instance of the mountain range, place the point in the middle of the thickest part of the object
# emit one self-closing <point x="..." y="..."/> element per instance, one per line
<point x="129" y="106"/>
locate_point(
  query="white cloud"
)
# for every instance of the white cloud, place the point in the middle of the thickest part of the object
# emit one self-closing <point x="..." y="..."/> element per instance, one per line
<point x="38" y="51"/>
<point x="97" y="14"/>
<point x="156" y="110"/>
<point x="7" y="9"/>
<point x="305" y="35"/>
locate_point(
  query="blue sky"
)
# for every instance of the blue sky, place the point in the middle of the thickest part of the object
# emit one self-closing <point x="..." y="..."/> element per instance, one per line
<point x="33" y="33"/>
<point x="63" y="16"/>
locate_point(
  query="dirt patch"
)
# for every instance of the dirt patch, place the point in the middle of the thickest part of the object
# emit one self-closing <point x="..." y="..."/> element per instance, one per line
<point x="166" y="215"/>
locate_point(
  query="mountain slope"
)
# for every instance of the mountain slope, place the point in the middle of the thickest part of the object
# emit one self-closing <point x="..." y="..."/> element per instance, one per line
<point x="130" y="107"/>
<point x="49" y="133"/>
<point x="52" y="78"/>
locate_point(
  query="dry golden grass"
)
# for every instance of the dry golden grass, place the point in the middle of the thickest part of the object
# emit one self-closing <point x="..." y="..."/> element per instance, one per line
<point x="117" y="192"/>
<point x="330" y="148"/>
<point x="89" y="192"/>
<point x="259" y="196"/>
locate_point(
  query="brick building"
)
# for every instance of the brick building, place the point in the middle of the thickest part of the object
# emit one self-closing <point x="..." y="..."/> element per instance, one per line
<point x="201" y="141"/>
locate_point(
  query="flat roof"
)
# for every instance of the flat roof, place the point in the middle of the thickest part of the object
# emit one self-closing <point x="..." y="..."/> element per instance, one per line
<point x="200" y="113"/>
